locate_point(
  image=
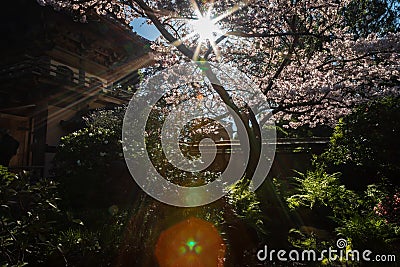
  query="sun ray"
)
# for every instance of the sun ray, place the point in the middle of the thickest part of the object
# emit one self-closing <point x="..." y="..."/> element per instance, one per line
<point x="197" y="52"/>
<point x="181" y="40"/>
<point x="231" y="11"/>
<point x="208" y="14"/>
<point x="196" y="8"/>
<point x="215" y="49"/>
<point x="206" y="28"/>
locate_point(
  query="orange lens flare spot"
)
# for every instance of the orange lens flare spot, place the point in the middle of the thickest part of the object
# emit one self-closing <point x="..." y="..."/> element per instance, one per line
<point x="193" y="242"/>
<point x="198" y="249"/>
<point x="182" y="250"/>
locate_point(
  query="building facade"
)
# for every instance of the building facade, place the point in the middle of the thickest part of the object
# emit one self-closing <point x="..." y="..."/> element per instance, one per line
<point x="54" y="69"/>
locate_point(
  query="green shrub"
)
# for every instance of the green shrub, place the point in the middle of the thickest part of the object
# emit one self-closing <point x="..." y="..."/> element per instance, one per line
<point x="365" y="145"/>
<point x="247" y="206"/>
<point x="318" y="188"/>
<point x="29" y="217"/>
<point x="351" y="212"/>
<point x="95" y="187"/>
<point x="355" y="180"/>
<point x="84" y="246"/>
<point x="89" y="163"/>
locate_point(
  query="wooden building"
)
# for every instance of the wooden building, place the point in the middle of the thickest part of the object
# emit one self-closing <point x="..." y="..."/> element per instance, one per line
<point x="53" y="69"/>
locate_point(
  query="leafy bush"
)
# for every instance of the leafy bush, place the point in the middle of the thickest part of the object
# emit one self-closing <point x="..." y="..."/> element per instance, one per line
<point x="352" y="212"/>
<point x="89" y="164"/>
<point x="389" y="208"/>
<point x="84" y="246"/>
<point x="247" y="206"/>
<point x="365" y="146"/>
<point x="29" y="217"/>
<point x="355" y="181"/>
<point x="316" y="188"/>
<point x="95" y="187"/>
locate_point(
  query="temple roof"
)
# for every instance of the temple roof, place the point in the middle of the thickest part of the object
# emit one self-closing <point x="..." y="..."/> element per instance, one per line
<point x="49" y="56"/>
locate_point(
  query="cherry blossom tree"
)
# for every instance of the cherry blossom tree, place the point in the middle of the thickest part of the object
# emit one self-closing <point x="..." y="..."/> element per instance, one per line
<point x="314" y="60"/>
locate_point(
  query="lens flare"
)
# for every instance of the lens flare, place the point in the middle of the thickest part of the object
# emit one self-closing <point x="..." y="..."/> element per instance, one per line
<point x="193" y="242"/>
<point x="205" y="27"/>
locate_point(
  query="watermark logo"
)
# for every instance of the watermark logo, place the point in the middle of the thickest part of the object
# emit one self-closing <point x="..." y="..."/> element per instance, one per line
<point x="185" y="94"/>
<point x="342" y="253"/>
<point x="341" y="243"/>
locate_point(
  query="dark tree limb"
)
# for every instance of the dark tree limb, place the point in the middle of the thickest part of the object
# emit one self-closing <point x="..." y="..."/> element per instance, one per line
<point x="252" y="132"/>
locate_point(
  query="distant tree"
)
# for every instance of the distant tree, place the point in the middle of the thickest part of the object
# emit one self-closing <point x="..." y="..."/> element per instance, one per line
<point x="365" y="146"/>
<point x="365" y="17"/>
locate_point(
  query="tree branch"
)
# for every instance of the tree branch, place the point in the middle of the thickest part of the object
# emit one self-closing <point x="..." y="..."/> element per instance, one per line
<point x="253" y="134"/>
<point x="270" y="35"/>
<point x="210" y="49"/>
<point x="344" y="61"/>
<point x="170" y="38"/>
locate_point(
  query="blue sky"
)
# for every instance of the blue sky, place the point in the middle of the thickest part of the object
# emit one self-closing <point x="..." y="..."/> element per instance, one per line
<point x="148" y="31"/>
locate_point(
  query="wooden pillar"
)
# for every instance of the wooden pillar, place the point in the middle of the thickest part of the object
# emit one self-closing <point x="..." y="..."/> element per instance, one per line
<point x="39" y="135"/>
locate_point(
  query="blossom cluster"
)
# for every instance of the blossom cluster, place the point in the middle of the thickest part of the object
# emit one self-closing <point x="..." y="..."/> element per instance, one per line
<point x="303" y="55"/>
<point x="389" y="208"/>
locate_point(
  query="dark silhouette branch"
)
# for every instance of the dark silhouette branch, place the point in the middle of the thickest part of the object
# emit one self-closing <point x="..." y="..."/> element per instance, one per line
<point x="253" y="134"/>
<point x="270" y="35"/>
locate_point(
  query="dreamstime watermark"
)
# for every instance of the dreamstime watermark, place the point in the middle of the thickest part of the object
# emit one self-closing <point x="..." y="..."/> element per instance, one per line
<point x="341" y="253"/>
<point x="176" y="85"/>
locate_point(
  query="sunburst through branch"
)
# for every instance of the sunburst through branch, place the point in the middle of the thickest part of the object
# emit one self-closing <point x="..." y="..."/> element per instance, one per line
<point x="206" y="28"/>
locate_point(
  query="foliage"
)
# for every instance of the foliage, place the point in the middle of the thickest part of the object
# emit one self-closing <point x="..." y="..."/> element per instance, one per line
<point x="82" y="165"/>
<point x="320" y="188"/>
<point x="95" y="187"/>
<point x="372" y="16"/>
<point x="314" y="60"/>
<point x="106" y="118"/>
<point x="159" y="160"/>
<point x="302" y="241"/>
<point x="247" y="206"/>
<point x="29" y="219"/>
<point x="83" y="246"/>
<point x="351" y="212"/>
<point x="370" y="232"/>
<point x="82" y="241"/>
<point x="35" y="231"/>
<point x="389" y="208"/>
<point x="304" y="131"/>
<point x="365" y="146"/>
<point x="95" y="154"/>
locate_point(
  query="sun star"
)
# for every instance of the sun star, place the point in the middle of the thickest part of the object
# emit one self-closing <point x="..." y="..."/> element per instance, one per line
<point x="205" y="27"/>
<point x="207" y="30"/>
